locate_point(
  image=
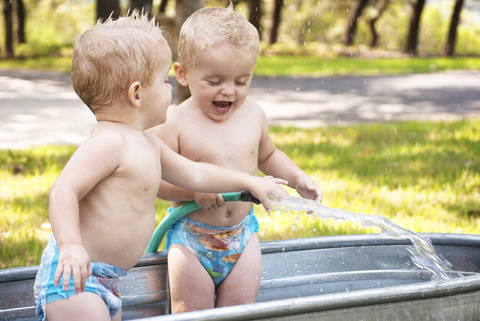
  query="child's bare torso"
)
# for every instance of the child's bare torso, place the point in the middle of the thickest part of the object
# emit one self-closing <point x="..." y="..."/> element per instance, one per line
<point x="117" y="216"/>
<point x="233" y="144"/>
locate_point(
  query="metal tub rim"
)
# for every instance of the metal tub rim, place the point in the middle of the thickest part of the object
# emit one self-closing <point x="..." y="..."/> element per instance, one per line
<point x="327" y="302"/>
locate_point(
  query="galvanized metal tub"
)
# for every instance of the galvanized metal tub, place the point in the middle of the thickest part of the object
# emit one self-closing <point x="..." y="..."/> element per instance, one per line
<point x="356" y="277"/>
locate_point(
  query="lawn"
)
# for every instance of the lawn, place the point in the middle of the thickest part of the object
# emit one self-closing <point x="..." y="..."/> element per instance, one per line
<point x="300" y="65"/>
<point x="424" y="176"/>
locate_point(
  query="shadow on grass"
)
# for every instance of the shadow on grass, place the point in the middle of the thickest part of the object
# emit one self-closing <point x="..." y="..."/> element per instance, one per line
<point x="392" y="155"/>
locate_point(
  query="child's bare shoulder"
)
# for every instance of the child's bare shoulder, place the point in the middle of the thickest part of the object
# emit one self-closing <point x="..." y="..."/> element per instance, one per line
<point x="252" y="106"/>
<point x="107" y="134"/>
<point x="253" y="112"/>
<point x="120" y="139"/>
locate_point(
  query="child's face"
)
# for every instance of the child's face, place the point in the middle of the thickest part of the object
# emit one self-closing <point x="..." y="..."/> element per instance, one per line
<point x="219" y="81"/>
<point x="158" y="96"/>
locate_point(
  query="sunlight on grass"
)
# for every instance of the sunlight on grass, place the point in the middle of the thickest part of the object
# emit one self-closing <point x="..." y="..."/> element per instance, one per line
<point x="315" y="66"/>
<point x="61" y="64"/>
<point x="424" y="176"/>
<point x="25" y="180"/>
<point x="306" y="66"/>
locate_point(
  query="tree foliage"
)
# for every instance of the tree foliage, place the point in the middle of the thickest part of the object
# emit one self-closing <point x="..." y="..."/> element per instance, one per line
<point x="306" y="26"/>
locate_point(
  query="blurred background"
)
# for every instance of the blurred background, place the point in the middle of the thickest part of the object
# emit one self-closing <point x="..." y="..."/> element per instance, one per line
<point x="329" y="28"/>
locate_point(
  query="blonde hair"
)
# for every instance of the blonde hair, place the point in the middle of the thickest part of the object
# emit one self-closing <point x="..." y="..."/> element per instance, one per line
<point x="211" y="26"/>
<point x="110" y="56"/>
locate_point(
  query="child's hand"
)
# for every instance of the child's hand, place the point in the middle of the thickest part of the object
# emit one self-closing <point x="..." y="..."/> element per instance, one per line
<point x="308" y="188"/>
<point x="264" y="186"/>
<point x="73" y="260"/>
<point x="209" y="201"/>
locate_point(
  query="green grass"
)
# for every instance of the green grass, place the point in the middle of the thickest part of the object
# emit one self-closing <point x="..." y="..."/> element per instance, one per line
<point x="299" y="65"/>
<point x="314" y="66"/>
<point x="61" y="64"/>
<point x="424" y="176"/>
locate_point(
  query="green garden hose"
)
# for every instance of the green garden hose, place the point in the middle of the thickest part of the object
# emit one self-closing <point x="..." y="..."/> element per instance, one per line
<point x="186" y="208"/>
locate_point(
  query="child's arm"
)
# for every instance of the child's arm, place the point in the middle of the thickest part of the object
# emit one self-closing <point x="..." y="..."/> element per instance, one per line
<point x="169" y="134"/>
<point x="279" y="165"/>
<point x="208" y="178"/>
<point x="274" y="162"/>
<point x="169" y="192"/>
<point x="94" y="160"/>
<point x="207" y="201"/>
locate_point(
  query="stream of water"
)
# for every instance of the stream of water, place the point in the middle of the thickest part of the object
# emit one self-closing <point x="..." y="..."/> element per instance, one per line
<point x="422" y="251"/>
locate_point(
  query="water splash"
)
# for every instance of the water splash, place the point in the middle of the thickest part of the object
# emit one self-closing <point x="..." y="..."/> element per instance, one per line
<point x="422" y="251"/>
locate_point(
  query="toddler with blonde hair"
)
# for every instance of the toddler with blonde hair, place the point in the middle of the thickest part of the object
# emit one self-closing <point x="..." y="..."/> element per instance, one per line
<point x="214" y="256"/>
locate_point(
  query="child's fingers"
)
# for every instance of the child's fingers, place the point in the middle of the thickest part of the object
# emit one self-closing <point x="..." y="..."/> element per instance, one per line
<point x="65" y="271"/>
<point x="313" y="191"/>
<point x="89" y="272"/>
<point x="80" y="276"/>
<point x="280" y="181"/>
<point x="77" y="279"/>
<point x="58" y="275"/>
<point x="220" y="200"/>
<point x="266" y="203"/>
<point x="280" y="190"/>
<point x="318" y="195"/>
<point x="277" y="180"/>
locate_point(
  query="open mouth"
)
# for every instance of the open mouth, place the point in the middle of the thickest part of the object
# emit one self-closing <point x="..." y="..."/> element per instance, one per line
<point x="222" y="106"/>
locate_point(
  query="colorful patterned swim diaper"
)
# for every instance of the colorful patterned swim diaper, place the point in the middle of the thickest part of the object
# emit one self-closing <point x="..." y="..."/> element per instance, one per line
<point x="218" y="248"/>
<point x="104" y="282"/>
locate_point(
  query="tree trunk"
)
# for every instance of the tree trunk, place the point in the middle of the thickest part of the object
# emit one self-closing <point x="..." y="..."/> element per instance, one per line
<point x="255" y="15"/>
<point x="381" y="6"/>
<point x="142" y="6"/>
<point x="356" y="12"/>
<point x="449" y="48"/>
<point x="184" y="8"/>
<point x="412" y="41"/>
<point x="107" y="8"/>
<point x="7" y="13"/>
<point x="163" y="6"/>
<point x="21" y="22"/>
<point x="276" y="19"/>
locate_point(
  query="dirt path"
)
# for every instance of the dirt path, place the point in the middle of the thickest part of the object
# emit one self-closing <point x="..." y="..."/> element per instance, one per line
<point x="42" y="108"/>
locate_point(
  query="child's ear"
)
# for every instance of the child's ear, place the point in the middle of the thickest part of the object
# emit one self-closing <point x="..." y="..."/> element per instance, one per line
<point x="134" y="95"/>
<point x="181" y="74"/>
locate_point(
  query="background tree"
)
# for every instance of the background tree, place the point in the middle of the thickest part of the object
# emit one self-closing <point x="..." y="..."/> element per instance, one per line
<point x="449" y="48"/>
<point x="276" y="19"/>
<point x="7" y="14"/>
<point x="412" y="39"/>
<point x="379" y="9"/>
<point x="255" y="14"/>
<point x="355" y="13"/>
<point x="107" y="8"/>
<point x="142" y="6"/>
<point x="21" y="22"/>
<point x="184" y="8"/>
<point x="163" y="6"/>
<point x="8" y="6"/>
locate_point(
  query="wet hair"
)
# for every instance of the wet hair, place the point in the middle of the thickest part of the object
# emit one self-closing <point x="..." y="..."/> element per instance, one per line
<point x="113" y="54"/>
<point x="208" y="27"/>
